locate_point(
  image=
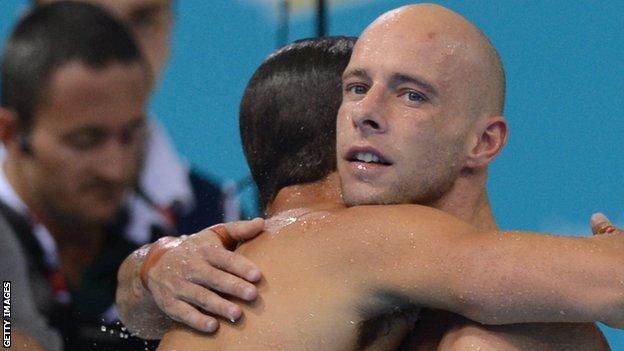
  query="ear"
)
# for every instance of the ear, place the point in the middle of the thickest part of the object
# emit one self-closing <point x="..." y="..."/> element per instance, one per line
<point x="8" y="127"/>
<point x="490" y="137"/>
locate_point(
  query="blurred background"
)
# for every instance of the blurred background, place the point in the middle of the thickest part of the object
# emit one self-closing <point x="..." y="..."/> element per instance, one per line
<point x="565" y="97"/>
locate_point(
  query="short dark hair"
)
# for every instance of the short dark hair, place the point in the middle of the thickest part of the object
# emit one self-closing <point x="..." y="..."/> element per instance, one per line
<point x="53" y="35"/>
<point x="288" y="114"/>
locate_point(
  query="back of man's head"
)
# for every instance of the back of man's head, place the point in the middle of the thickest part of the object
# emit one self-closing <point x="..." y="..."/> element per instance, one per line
<point x="51" y="36"/>
<point x="288" y="114"/>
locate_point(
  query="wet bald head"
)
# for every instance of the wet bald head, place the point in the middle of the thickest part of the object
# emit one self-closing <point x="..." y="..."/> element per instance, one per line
<point x="456" y="51"/>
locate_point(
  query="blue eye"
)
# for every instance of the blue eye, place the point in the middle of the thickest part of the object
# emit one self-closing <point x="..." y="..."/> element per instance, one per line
<point x="357" y="89"/>
<point x="416" y="97"/>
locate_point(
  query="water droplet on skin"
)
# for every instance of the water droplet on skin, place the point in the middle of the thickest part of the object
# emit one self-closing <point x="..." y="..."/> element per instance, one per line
<point x="103" y="328"/>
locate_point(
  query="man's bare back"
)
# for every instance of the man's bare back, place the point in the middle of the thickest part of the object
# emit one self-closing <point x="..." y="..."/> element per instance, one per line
<point x="311" y="297"/>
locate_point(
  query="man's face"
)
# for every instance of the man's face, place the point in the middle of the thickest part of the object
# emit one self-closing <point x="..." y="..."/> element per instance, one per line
<point x="150" y="21"/>
<point x="404" y="118"/>
<point x="86" y="140"/>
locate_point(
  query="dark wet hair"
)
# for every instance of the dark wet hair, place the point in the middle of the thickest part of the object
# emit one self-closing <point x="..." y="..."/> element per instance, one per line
<point x="51" y="36"/>
<point x="288" y="114"/>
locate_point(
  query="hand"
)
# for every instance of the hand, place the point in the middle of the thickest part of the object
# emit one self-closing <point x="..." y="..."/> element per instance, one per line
<point x="600" y="224"/>
<point x="184" y="282"/>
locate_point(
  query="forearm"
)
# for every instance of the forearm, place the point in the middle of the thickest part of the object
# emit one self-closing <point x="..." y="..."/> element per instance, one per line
<point x="136" y="307"/>
<point x="441" y="262"/>
<point x="527" y="277"/>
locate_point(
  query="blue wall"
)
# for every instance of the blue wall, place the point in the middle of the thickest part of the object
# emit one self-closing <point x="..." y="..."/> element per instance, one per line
<point x="565" y="105"/>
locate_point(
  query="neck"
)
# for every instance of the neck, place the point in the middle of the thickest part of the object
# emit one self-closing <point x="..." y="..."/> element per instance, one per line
<point x="321" y="195"/>
<point x="468" y="200"/>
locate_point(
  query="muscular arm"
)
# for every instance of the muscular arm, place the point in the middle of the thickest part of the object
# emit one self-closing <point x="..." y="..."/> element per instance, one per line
<point x="468" y="335"/>
<point x="489" y="277"/>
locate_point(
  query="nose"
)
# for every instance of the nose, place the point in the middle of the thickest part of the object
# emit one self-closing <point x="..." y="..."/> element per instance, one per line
<point x="117" y="162"/>
<point x="368" y="115"/>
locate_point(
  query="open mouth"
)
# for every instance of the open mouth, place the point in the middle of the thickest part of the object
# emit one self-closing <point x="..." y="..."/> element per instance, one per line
<point x="367" y="155"/>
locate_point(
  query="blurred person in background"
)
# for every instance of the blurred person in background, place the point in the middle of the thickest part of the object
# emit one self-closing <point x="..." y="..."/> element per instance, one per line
<point x="75" y="87"/>
<point x="170" y="197"/>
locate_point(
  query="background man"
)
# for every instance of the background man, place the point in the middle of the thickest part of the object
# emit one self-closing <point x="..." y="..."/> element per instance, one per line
<point x="170" y="198"/>
<point x="72" y="120"/>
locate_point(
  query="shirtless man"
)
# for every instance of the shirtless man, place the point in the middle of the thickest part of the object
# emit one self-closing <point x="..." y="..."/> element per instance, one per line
<point x="302" y="312"/>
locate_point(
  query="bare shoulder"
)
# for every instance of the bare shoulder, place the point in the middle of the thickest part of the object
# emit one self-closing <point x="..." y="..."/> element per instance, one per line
<point x="180" y="338"/>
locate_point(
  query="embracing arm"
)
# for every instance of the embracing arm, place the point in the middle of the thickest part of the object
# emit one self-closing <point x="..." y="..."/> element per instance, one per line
<point x="490" y="277"/>
<point x="468" y="335"/>
<point x="182" y="279"/>
<point x="137" y="309"/>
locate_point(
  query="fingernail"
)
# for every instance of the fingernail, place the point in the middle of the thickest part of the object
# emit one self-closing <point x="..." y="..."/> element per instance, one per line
<point x="254" y="274"/>
<point x="234" y="313"/>
<point x="211" y="326"/>
<point x="249" y="293"/>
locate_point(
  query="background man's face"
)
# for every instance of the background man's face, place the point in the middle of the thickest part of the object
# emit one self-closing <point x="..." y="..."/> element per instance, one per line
<point x="86" y="140"/>
<point x="403" y="122"/>
<point x="150" y="22"/>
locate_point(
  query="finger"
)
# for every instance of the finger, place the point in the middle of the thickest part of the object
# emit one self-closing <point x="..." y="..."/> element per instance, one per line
<point x="224" y="282"/>
<point x="600" y="224"/>
<point x="233" y="262"/>
<point x="209" y="301"/>
<point x="245" y="230"/>
<point x="182" y="312"/>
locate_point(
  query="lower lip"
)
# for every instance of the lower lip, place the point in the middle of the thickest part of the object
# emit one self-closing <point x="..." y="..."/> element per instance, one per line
<point x="365" y="168"/>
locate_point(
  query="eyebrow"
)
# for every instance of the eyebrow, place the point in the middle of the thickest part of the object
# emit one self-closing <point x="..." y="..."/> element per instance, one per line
<point x="357" y="72"/>
<point x="400" y="78"/>
<point x="140" y="122"/>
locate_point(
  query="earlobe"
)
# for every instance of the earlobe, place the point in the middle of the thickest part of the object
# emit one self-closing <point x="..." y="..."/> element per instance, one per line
<point x="8" y="126"/>
<point x="491" y="138"/>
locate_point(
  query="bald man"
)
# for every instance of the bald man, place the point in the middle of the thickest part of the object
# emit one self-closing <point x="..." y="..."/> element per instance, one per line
<point x="338" y="279"/>
<point x="429" y="105"/>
